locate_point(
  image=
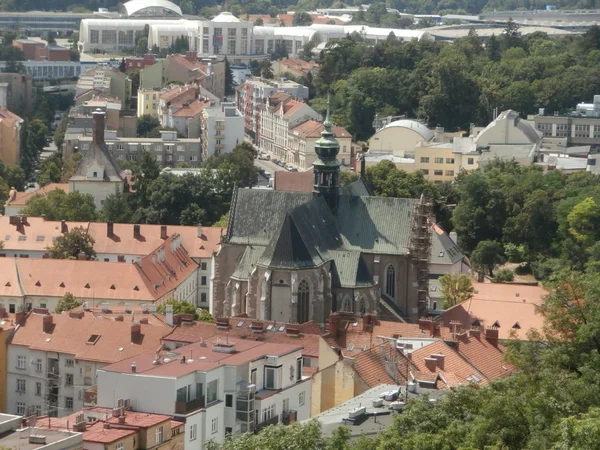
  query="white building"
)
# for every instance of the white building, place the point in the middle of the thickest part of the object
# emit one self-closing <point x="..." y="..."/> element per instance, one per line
<point x="223" y="35"/>
<point x="222" y="129"/>
<point x="52" y="360"/>
<point x="215" y="386"/>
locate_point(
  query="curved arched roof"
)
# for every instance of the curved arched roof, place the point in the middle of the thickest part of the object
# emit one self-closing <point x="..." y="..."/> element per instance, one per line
<point x="418" y="127"/>
<point x="226" y="16"/>
<point x="154" y="7"/>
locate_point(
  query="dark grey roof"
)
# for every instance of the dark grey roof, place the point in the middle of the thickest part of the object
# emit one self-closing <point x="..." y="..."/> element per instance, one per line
<point x="350" y="270"/>
<point x="358" y="188"/>
<point x="247" y="262"/>
<point x="443" y="249"/>
<point x="100" y="155"/>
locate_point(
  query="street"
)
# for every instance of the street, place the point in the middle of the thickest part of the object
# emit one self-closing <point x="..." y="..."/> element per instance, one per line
<point x="268" y="166"/>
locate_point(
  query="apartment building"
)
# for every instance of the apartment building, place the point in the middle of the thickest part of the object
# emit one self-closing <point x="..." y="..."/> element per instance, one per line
<point x="251" y="98"/>
<point x="217" y="386"/>
<point x="301" y="140"/>
<point x="53" y="359"/>
<point x="223" y="35"/>
<point x="13" y="434"/>
<point x="39" y="51"/>
<point x="16" y="91"/>
<point x="579" y="127"/>
<point x="106" y="80"/>
<point x="11" y="136"/>
<point x="222" y="129"/>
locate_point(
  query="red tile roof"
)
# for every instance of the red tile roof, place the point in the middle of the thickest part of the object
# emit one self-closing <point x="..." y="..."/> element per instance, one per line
<point x="487" y="356"/>
<point x="312" y="129"/>
<point x="509" y="307"/>
<point x="73" y="335"/>
<point x="180" y="93"/>
<point x="294" y="181"/>
<point x="370" y="365"/>
<point x="192" y="109"/>
<point x="21" y="198"/>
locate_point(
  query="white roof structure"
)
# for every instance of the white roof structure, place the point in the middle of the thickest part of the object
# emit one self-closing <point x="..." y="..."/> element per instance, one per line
<point x="151" y="8"/>
<point x="335" y="31"/>
<point x="226" y="17"/>
<point x="425" y="132"/>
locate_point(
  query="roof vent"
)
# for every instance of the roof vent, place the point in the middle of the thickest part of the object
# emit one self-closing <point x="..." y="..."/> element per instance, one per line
<point x="62" y="284"/>
<point x="7" y="284"/>
<point x="517" y="326"/>
<point x="517" y="294"/>
<point x="112" y="286"/>
<point x="292" y="331"/>
<point x="257" y="327"/>
<point x="38" y="284"/>
<point x="87" y="285"/>
<point x="135" y="288"/>
<point x="222" y="323"/>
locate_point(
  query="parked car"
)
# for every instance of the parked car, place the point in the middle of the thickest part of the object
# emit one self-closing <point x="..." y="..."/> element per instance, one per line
<point x="290" y="168"/>
<point x="293" y="169"/>
<point x="275" y="161"/>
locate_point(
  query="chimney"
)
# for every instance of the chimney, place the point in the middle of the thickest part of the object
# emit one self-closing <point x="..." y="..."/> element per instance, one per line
<point x="144" y="321"/>
<point x="427" y="326"/>
<point x="63" y="227"/>
<point x="98" y="133"/>
<point x="440" y="360"/>
<point x="119" y="318"/>
<point x="199" y="230"/>
<point x="133" y="368"/>
<point x="136" y="232"/>
<point x="454" y="236"/>
<point x="491" y="334"/>
<point x="109" y="229"/>
<point x="163" y="232"/>
<point x="363" y="164"/>
<point x="431" y="364"/>
<point x="19" y="317"/>
<point x="334" y="322"/>
<point x="47" y="322"/>
<point x="82" y="256"/>
<point x="475" y="332"/>
<point x="136" y="331"/>
<point x="169" y="313"/>
<point x="367" y="321"/>
<point x="76" y="314"/>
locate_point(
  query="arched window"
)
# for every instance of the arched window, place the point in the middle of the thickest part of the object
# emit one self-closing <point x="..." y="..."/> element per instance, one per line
<point x="303" y="301"/>
<point x="362" y="305"/>
<point x="346" y="304"/>
<point x="390" y="281"/>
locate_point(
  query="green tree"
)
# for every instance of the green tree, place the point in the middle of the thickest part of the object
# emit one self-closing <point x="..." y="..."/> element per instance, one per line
<point x="180" y="307"/>
<point x="148" y="126"/>
<point x="584" y="221"/>
<point x="259" y="22"/>
<point x="67" y="303"/>
<point x="35" y="140"/>
<point x="59" y="133"/>
<point x="254" y="67"/>
<point x="50" y="170"/>
<point x="301" y="19"/>
<point x="73" y="243"/>
<point x="58" y="205"/>
<point x="115" y="208"/>
<point x="70" y="166"/>
<point x="266" y="71"/>
<point x="456" y="288"/>
<point x="228" y="79"/>
<point x="486" y="256"/>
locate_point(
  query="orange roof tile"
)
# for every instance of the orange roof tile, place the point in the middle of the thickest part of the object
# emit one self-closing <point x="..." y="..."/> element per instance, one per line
<point x="312" y="129"/>
<point x="7" y="114"/>
<point x="21" y="198"/>
<point x="141" y="420"/>
<point x="72" y="336"/>
<point x="98" y="434"/>
<point x="192" y="109"/>
<point x="290" y="107"/>
<point x="487" y="356"/>
<point x="178" y="93"/>
<point x="317" y="19"/>
<point x="510" y="307"/>
<point x="370" y="365"/>
<point x="294" y="181"/>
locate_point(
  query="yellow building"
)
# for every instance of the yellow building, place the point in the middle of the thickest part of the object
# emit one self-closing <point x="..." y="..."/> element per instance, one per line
<point x="436" y="161"/>
<point x="11" y="127"/>
<point x="148" y="102"/>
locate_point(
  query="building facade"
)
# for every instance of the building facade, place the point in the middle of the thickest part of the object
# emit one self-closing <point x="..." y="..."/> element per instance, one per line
<point x="11" y="136"/>
<point x="222" y="129"/>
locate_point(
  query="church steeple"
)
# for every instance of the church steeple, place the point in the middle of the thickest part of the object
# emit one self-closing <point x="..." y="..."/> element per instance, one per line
<point x="326" y="167"/>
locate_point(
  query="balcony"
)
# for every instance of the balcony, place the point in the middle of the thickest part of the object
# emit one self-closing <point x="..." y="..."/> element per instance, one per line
<point x="90" y="396"/>
<point x="189" y="406"/>
<point x="289" y="417"/>
<point x="219" y="136"/>
<point x="219" y="127"/>
<point x="272" y="421"/>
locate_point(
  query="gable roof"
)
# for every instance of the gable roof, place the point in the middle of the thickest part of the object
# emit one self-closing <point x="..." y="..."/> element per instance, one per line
<point x="443" y="249"/>
<point x="313" y="128"/>
<point x="99" y="154"/>
<point x="370" y="365"/>
<point x="21" y="198"/>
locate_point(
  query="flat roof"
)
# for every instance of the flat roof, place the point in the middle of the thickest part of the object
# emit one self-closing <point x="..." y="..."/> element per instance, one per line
<point x="18" y="438"/>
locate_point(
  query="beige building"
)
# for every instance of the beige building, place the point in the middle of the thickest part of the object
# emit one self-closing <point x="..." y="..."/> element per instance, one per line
<point x="11" y="134"/>
<point x="16" y="91"/>
<point x="302" y="139"/>
<point x="103" y="80"/>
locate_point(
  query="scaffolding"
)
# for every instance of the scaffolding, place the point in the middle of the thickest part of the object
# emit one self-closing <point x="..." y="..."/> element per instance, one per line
<point x="420" y="249"/>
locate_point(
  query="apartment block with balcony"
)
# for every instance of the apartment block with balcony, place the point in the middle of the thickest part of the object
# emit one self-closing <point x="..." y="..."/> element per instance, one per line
<point x="222" y="129"/>
<point x="217" y="386"/>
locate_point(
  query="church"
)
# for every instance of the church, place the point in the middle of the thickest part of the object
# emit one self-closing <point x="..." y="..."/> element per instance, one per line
<point x="299" y="256"/>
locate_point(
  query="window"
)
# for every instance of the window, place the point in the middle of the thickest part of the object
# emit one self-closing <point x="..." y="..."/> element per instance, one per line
<point x="68" y="363"/>
<point x="253" y="376"/>
<point x="470" y="161"/>
<point x="306" y="362"/>
<point x="211" y="391"/>
<point x="38" y="410"/>
<point x="203" y="266"/>
<point x="21" y="360"/>
<point x="20" y="385"/>
<point x="449" y="173"/>
<point x="119" y="446"/>
<point x="203" y="281"/>
<point x="228" y="400"/>
<point x="38" y="388"/>
<point x="298" y="369"/>
<point x="425" y="171"/>
<point x="203" y="297"/>
<point x="439" y="160"/>
<point x="303" y="302"/>
<point x="449" y="160"/>
<point x="271" y="377"/>
<point x="268" y="413"/>
<point x="424" y="159"/>
<point x="193" y="432"/>
<point x="228" y="430"/>
<point x="159" y="435"/>
<point x="301" y="398"/>
<point x="69" y="402"/>
<point x="439" y="173"/>
<point x="94" y="36"/>
<point x="43" y="305"/>
<point x="69" y="380"/>
<point x="120" y="146"/>
<point x="214" y="425"/>
<point x="11" y="309"/>
<point x="20" y="408"/>
<point x="38" y="365"/>
<point x="390" y="281"/>
<point x="231" y="32"/>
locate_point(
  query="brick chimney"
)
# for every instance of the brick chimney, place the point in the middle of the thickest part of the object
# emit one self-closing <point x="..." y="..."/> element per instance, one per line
<point x="163" y="232"/>
<point x="427" y="325"/>
<point x="63" y="227"/>
<point x="47" y="322"/>
<point x="110" y="229"/>
<point x="440" y="360"/>
<point x="19" y="317"/>
<point x="334" y="323"/>
<point x="367" y="322"/>
<point x="136" y="331"/>
<point x="491" y="334"/>
<point x="136" y="232"/>
<point x="99" y="125"/>
<point x="475" y="332"/>
<point x="431" y="364"/>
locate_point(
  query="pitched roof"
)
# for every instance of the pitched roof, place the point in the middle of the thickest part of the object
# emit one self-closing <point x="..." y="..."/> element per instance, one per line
<point x="87" y="338"/>
<point x="443" y="249"/>
<point x="294" y="181"/>
<point x="376" y="365"/>
<point x="487" y="356"/>
<point x="509" y="307"/>
<point x="7" y="114"/>
<point x="179" y="92"/>
<point x="350" y="270"/>
<point x="313" y="128"/>
<point x="99" y="154"/>
<point x="21" y="198"/>
<point x="192" y="109"/>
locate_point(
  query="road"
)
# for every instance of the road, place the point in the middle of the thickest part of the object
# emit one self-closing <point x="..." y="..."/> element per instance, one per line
<point x="268" y="166"/>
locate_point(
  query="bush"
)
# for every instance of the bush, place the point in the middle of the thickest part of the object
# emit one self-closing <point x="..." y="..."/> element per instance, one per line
<point x="514" y="253"/>
<point x="543" y="268"/>
<point x="503" y="276"/>
<point x="523" y="269"/>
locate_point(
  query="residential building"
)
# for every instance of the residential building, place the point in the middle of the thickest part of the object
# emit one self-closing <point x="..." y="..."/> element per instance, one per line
<point x="187" y="118"/>
<point x="302" y="141"/>
<point x="148" y="101"/>
<point x="28" y="47"/>
<point x="281" y="113"/>
<point x="215" y="386"/>
<point x="252" y="95"/>
<point x="106" y="80"/>
<point x="15" y="435"/>
<point x="295" y="66"/>
<point x="222" y="129"/>
<point x="118" y="119"/>
<point x="509" y="308"/>
<point x="7" y="328"/>
<point x="16" y="91"/>
<point x="53" y="359"/>
<point x="98" y="173"/>
<point x="168" y="149"/>
<point x="139" y="63"/>
<point x="39" y="51"/>
<point x="11" y="137"/>
<point x="174" y="96"/>
<point x="18" y="200"/>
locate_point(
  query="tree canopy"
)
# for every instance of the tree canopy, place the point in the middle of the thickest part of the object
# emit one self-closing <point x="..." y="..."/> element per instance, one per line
<point x="67" y="303"/>
<point x="72" y="244"/>
<point x="58" y="205"/>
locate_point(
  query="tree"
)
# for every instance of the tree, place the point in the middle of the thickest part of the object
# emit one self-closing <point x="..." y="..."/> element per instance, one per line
<point x="486" y="256"/>
<point x="228" y="78"/>
<point x="255" y="67"/>
<point x="301" y="19"/>
<point x="35" y="141"/>
<point x="59" y="133"/>
<point x="456" y="288"/>
<point x="50" y="170"/>
<point x="67" y="303"/>
<point x="180" y="307"/>
<point x="58" y="205"/>
<point x="148" y="126"/>
<point x="73" y="243"/>
<point x="123" y="66"/>
<point x="511" y="36"/>
<point x="115" y="208"/>
<point x="584" y="221"/>
<point x="259" y="22"/>
<point x="205" y="316"/>
<point x="70" y="166"/>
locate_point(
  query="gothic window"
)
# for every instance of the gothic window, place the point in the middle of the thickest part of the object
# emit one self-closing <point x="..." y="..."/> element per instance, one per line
<point x="346" y="304"/>
<point x="303" y="301"/>
<point x="390" y="281"/>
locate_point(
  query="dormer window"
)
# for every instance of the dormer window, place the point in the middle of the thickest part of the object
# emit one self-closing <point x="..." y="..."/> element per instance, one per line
<point x="95" y="174"/>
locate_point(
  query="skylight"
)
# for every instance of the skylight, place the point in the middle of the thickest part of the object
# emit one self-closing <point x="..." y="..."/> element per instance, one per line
<point x="282" y="328"/>
<point x="93" y="339"/>
<point x="270" y="327"/>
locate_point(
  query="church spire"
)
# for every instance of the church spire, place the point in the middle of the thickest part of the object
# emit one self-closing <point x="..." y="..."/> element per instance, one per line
<point x="326" y="167"/>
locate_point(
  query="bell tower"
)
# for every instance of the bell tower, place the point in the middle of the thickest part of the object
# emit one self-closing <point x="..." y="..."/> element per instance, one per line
<point x="327" y="167"/>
